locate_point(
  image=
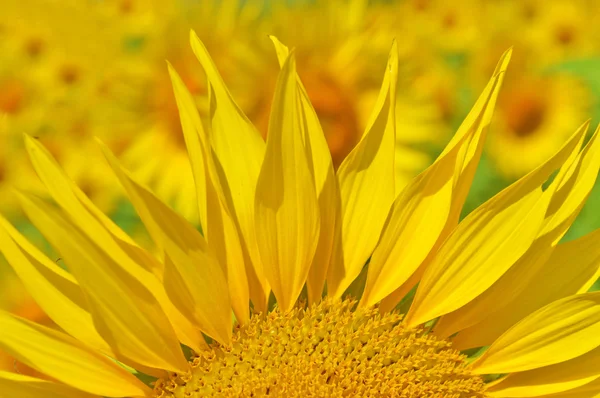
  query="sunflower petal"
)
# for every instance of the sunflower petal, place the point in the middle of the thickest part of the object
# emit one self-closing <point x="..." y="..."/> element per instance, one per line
<point x="54" y="289"/>
<point x="125" y="312"/>
<point x="287" y="212"/>
<point x="429" y="208"/>
<point x="319" y="159"/>
<point x="560" y="331"/>
<point x="204" y="280"/>
<point x="552" y="379"/>
<point x="110" y="238"/>
<point x="487" y="243"/>
<point x="571" y="269"/>
<point x="64" y="191"/>
<point x="367" y="188"/>
<point x="17" y="385"/>
<point x="573" y="185"/>
<point x="218" y="225"/>
<point x="195" y="139"/>
<point x="65" y="359"/>
<point x="239" y="155"/>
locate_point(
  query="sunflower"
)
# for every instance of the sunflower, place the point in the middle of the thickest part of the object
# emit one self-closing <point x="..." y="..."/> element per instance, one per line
<point x="278" y="221"/>
<point x="535" y="115"/>
<point x="51" y="85"/>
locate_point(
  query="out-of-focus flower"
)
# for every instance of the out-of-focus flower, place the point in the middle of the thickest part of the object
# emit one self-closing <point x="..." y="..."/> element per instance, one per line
<point x="535" y="116"/>
<point x="54" y="61"/>
<point x="279" y="220"/>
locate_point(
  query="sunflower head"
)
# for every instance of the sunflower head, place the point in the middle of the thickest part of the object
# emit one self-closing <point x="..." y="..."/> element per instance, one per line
<point x="280" y="225"/>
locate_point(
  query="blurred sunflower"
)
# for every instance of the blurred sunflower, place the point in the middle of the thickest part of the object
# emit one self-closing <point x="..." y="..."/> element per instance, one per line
<point x="268" y="226"/>
<point x="336" y="69"/>
<point x="51" y="78"/>
<point x="535" y="116"/>
<point x="338" y="45"/>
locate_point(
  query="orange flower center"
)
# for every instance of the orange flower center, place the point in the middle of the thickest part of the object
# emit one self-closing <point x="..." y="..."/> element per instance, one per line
<point x="327" y="350"/>
<point x="12" y="97"/>
<point x="525" y="110"/>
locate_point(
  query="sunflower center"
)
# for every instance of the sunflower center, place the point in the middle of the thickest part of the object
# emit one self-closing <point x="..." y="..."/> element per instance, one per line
<point x="525" y="112"/>
<point x="327" y="350"/>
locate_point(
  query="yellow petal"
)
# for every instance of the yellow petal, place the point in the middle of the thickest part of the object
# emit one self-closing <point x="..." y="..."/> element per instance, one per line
<point x="54" y="289"/>
<point x="287" y="212"/>
<point x="65" y="359"/>
<point x="428" y="209"/>
<point x="486" y="243"/>
<point x="239" y="150"/>
<point x="21" y="386"/>
<point x="125" y="312"/>
<point x="366" y="178"/>
<point x="109" y="237"/>
<point x="560" y="331"/>
<point x="552" y="379"/>
<point x="219" y="226"/>
<point x="195" y="139"/>
<point x="321" y="165"/>
<point x="573" y="185"/>
<point x="571" y="269"/>
<point x="204" y="280"/>
<point x="589" y="390"/>
<point x="64" y="191"/>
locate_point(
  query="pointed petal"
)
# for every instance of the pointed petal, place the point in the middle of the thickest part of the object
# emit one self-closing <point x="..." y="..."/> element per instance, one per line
<point x="65" y="359"/>
<point x="110" y="238"/>
<point x="574" y="184"/>
<point x="287" y="212"/>
<point x="428" y="209"/>
<point x="319" y="159"/>
<point x="54" y="289"/>
<point x="17" y="385"/>
<point x="204" y="280"/>
<point x="239" y="151"/>
<point x="552" y="379"/>
<point x="124" y="311"/>
<point x="195" y="139"/>
<point x="64" y="191"/>
<point x="218" y="224"/>
<point x="366" y="179"/>
<point x="560" y="331"/>
<point x="571" y="269"/>
<point x="487" y="243"/>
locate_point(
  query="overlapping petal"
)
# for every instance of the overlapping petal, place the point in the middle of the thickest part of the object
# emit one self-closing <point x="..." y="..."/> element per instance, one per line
<point x="488" y="242"/>
<point x="429" y="207"/>
<point x="574" y="184"/>
<point x="326" y="185"/>
<point x="558" y="332"/>
<point x="367" y="187"/>
<point x="287" y="210"/>
<point x="194" y="279"/>
<point x="125" y="313"/>
<point x="239" y="150"/>
<point x="16" y="385"/>
<point x="219" y="225"/>
<point x="65" y="359"/>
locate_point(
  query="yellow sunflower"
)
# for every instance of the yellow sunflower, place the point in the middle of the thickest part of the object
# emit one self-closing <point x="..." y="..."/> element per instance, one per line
<point x="52" y="78"/>
<point x="277" y="218"/>
<point x="535" y="115"/>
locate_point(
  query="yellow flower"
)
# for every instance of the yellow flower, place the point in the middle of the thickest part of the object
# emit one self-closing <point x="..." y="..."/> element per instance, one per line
<point x="535" y="115"/>
<point x="51" y="83"/>
<point x="277" y="219"/>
